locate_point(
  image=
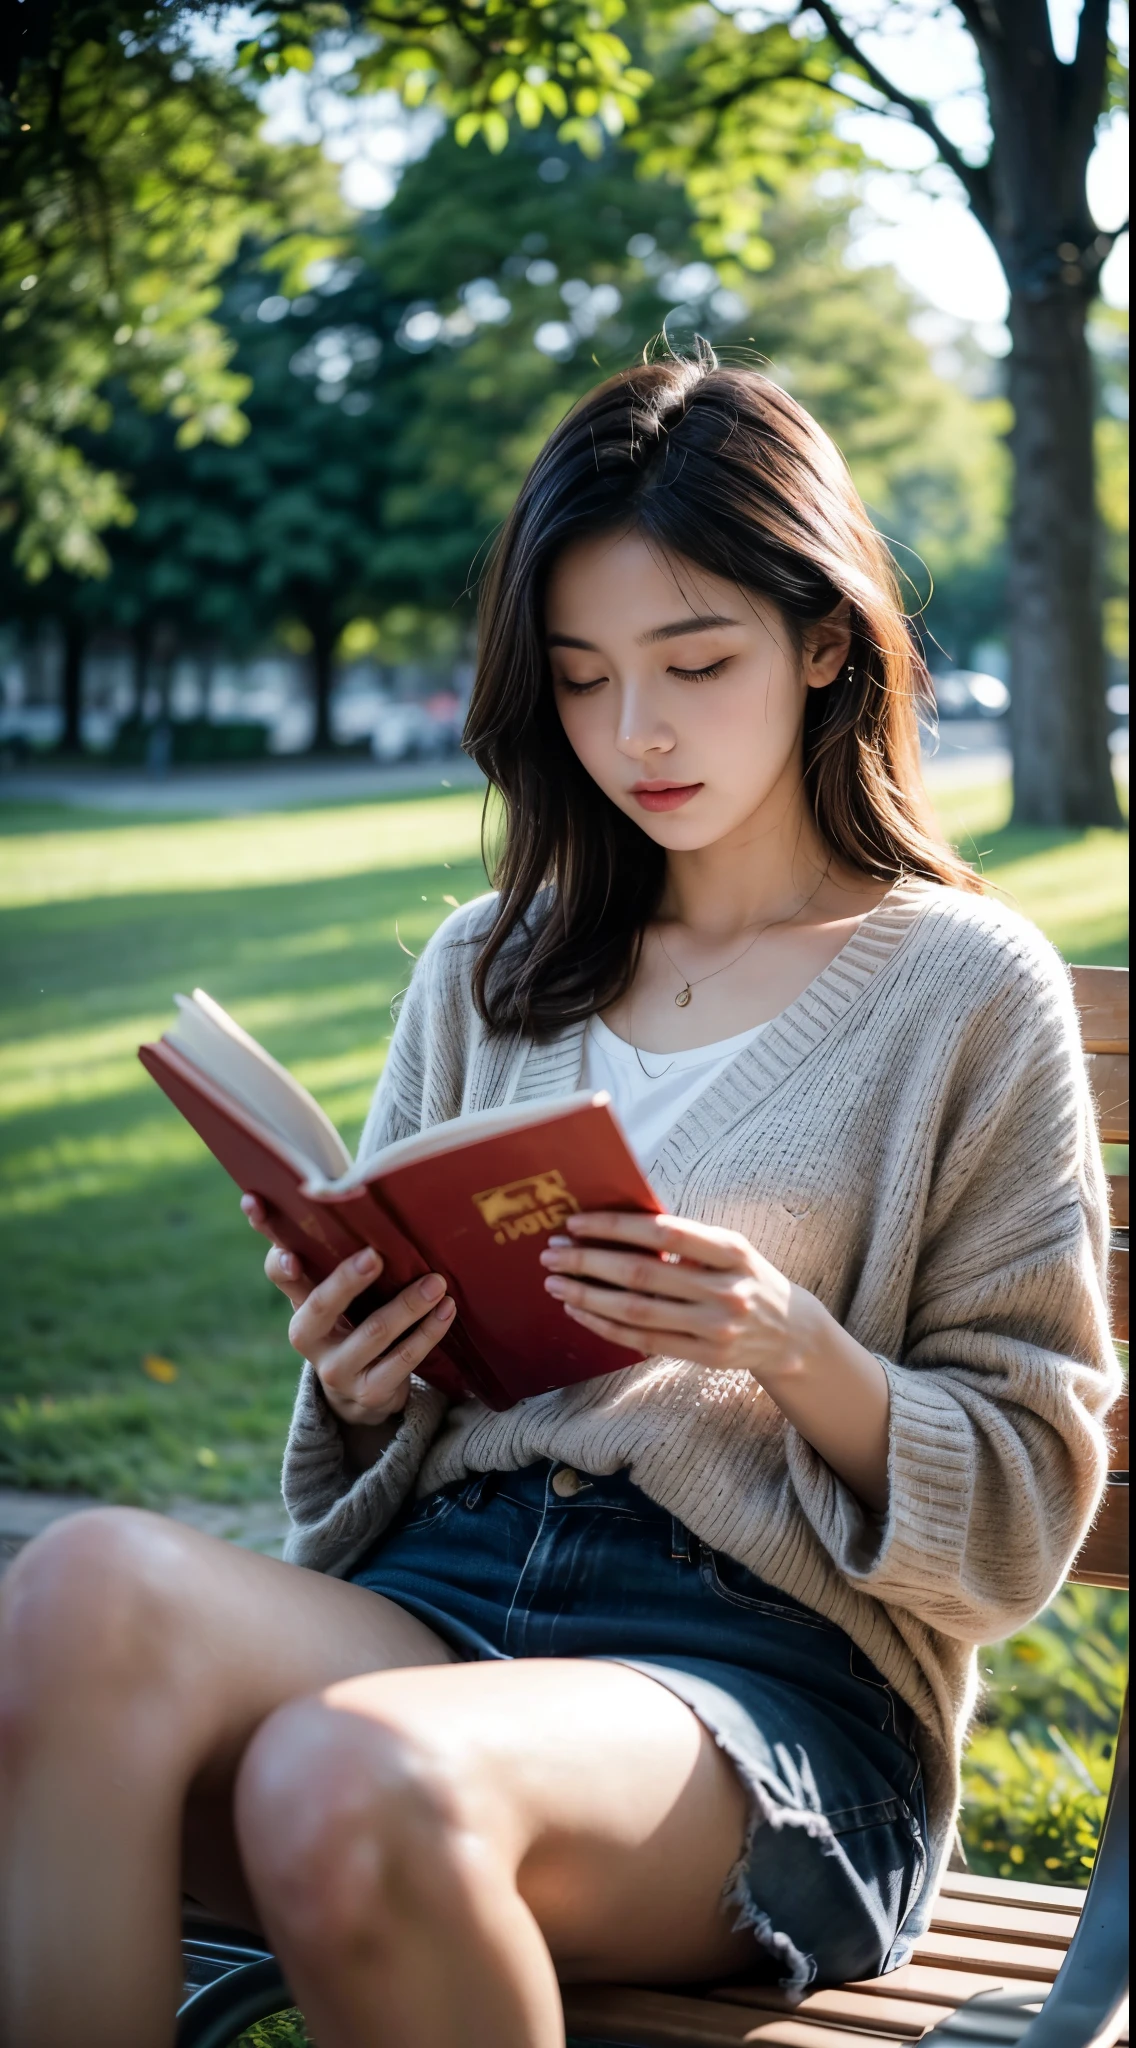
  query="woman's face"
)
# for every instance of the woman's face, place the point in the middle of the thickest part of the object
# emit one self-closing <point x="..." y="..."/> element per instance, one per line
<point x="682" y="694"/>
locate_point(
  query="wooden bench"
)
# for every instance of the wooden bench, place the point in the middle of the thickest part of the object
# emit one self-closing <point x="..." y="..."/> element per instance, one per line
<point x="1001" y="1962"/>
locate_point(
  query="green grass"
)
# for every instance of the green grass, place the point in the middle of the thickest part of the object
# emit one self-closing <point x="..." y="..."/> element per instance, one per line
<point x="121" y="1236"/>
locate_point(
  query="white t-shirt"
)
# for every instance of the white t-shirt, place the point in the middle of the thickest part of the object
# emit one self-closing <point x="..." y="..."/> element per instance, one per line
<point x="651" y="1090"/>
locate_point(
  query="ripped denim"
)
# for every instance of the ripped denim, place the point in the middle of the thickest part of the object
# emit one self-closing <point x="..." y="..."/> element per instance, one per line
<point x="832" y="1876"/>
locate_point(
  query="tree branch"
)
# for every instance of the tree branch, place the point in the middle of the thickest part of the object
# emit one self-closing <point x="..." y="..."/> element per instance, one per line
<point x="973" y="178"/>
<point x="1089" y="69"/>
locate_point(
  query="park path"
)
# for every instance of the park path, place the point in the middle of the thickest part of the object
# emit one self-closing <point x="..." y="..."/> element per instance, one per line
<point x="967" y="751"/>
<point x="233" y="791"/>
<point x="256" y="1525"/>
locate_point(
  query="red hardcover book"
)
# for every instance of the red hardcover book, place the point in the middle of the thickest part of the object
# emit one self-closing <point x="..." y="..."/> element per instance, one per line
<point x="474" y="1200"/>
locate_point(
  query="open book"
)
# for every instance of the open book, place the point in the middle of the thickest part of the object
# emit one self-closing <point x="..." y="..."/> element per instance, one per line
<point x="474" y="1200"/>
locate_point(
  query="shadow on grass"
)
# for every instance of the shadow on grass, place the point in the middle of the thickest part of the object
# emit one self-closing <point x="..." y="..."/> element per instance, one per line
<point x="1084" y="921"/>
<point x="20" y="816"/>
<point x="122" y="1237"/>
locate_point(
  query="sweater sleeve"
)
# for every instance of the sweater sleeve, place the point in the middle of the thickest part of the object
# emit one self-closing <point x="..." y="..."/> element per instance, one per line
<point x="997" y="1453"/>
<point x="336" y="1514"/>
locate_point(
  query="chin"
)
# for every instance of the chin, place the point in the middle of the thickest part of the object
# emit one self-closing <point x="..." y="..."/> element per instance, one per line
<point x="680" y="833"/>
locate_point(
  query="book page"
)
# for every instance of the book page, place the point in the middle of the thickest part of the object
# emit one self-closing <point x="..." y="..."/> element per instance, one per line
<point x="214" y="1041"/>
<point x="463" y="1130"/>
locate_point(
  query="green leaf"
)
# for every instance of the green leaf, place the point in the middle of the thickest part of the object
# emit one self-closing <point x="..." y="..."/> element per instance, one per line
<point x="530" y="106"/>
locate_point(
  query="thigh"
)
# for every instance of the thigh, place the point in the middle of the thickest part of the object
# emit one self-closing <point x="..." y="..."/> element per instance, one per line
<point x="213" y="1638"/>
<point x="621" y="1815"/>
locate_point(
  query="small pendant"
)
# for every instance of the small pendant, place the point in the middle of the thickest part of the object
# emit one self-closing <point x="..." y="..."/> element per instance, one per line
<point x="683" y="997"/>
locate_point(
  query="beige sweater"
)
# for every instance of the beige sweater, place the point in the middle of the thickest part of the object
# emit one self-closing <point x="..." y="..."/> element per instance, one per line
<point x="913" y="1141"/>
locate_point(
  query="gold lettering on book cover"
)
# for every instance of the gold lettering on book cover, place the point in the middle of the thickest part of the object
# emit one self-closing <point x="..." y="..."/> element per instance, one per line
<point x="525" y="1208"/>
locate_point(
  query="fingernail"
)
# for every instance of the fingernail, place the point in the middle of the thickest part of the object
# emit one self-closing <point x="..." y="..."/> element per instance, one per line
<point x="555" y="1286"/>
<point x="433" y="1286"/>
<point x="287" y="1264"/>
<point x="366" y="1260"/>
<point x="445" y="1310"/>
<point x="561" y="1241"/>
<point x="550" y="1257"/>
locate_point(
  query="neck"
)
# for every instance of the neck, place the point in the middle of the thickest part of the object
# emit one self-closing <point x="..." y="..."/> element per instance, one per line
<point x="759" y="872"/>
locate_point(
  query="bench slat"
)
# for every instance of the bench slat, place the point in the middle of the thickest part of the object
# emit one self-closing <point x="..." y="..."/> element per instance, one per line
<point x="907" y="2019"/>
<point x="659" y="2019"/>
<point x="941" y="1986"/>
<point x="1102" y="1005"/>
<point x="1117" y="1426"/>
<point x="1007" y="1923"/>
<point x="1037" y="1961"/>
<point x="1108" y="1078"/>
<point x="1118" y="1292"/>
<point x="1011" y="1891"/>
<point x="1103" y="1559"/>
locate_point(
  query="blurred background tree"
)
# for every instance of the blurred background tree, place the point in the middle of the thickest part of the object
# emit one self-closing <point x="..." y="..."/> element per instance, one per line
<point x="130" y="170"/>
<point x="135" y="185"/>
<point x="733" y="103"/>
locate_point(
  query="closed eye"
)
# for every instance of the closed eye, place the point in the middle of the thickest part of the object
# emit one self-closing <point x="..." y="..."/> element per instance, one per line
<point x="700" y="675"/>
<point x="580" y="689"/>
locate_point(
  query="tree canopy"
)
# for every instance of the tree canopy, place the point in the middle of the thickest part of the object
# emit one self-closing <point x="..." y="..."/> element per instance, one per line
<point x="130" y="171"/>
<point x="647" y="165"/>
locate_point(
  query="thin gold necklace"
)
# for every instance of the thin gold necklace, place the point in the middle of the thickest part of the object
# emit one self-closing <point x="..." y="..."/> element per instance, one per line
<point x="686" y="992"/>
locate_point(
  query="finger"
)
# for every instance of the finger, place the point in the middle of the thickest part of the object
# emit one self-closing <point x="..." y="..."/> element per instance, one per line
<point x="285" y="1271"/>
<point x="645" y="1342"/>
<point x="639" y="1311"/>
<point x="378" y="1332"/>
<point x="665" y="1235"/>
<point x="635" y="1272"/>
<point x="325" y="1304"/>
<point x="376" y="1388"/>
<point x="257" y="1214"/>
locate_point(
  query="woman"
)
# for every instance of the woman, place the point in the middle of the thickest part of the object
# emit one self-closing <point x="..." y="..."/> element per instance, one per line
<point x="665" y="1676"/>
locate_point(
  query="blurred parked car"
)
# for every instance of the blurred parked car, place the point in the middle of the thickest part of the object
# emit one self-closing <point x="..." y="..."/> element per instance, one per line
<point x="412" y="729"/>
<point x="28" y="730"/>
<point x="967" y="693"/>
<point x="448" y="715"/>
<point x="403" y="731"/>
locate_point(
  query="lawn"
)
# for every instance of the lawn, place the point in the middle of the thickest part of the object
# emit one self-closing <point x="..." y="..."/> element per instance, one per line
<point x="143" y="1353"/>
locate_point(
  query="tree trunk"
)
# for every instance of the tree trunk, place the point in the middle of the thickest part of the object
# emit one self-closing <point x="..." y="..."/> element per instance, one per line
<point x="323" y="644"/>
<point x="1062" y="767"/>
<point x="74" y="648"/>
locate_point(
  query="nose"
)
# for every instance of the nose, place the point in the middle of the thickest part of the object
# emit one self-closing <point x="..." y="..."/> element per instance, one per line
<point x="642" y="730"/>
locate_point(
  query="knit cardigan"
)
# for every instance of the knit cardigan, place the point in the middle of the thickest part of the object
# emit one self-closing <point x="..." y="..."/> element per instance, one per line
<point x="913" y="1141"/>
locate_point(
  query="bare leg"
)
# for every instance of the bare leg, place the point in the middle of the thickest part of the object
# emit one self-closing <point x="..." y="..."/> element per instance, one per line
<point x="427" y="1848"/>
<point x="137" y="1658"/>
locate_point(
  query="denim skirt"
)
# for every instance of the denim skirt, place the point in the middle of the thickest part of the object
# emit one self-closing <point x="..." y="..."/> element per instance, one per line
<point x="550" y="1562"/>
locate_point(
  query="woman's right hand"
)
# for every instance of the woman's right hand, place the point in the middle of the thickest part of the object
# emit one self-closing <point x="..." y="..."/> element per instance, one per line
<point x="365" y="1371"/>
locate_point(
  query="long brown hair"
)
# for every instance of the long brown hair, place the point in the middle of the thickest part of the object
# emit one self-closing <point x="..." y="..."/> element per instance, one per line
<point x="719" y="466"/>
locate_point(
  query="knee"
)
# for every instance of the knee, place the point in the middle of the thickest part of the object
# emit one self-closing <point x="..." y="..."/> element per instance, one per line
<point x="86" y="1607"/>
<point x="351" y="1828"/>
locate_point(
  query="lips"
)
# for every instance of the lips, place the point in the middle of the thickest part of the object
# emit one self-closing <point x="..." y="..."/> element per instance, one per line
<point x="664" y="796"/>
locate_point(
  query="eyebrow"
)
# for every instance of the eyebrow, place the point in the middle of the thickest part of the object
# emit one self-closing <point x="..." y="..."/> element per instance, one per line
<point x="675" y="631"/>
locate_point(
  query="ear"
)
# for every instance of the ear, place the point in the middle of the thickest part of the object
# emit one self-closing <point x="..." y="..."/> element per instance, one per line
<point x="826" y="647"/>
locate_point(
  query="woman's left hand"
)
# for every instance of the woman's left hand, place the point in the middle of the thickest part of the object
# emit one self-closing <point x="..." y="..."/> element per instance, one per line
<point x="684" y="1289"/>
